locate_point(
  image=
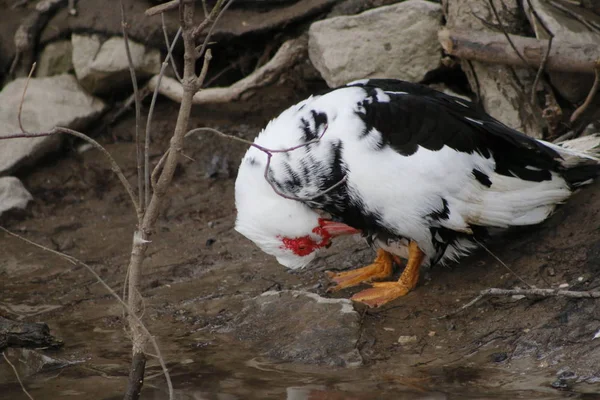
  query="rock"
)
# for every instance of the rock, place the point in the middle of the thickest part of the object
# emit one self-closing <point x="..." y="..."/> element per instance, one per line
<point x="504" y="91"/>
<point x="49" y="102"/>
<point x="404" y="340"/>
<point x="573" y="87"/>
<point x="29" y="362"/>
<point x="302" y="327"/>
<point x="101" y="66"/>
<point x="55" y="59"/>
<point x="234" y="23"/>
<point x="13" y="194"/>
<point x="397" y="41"/>
<point x="26" y="334"/>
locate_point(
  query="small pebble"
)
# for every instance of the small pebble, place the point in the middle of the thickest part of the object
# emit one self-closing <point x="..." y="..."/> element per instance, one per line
<point x="580" y="279"/>
<point x="431" y="334"/>
<point x="385" y="328"/>
<point x="211" y="224"/>
<point x="563" y="285"/>
<point x="560" y="384"/>
<point x="407" y="339"/>
<point x="551" y="271"/>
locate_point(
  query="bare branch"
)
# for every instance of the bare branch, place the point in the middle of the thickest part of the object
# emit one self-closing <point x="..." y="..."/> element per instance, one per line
<point x="269" y="153"/>
<point x="166" y="35"/>
<point x="493" y="48"/>
<point x="505" y="33"/>
<point x="590" y="97"/>
<point x="158" y="168"/>
<point x="163" y="68"/>
<point x="289" y="54"/>
<point x="589" y="23"/>
<point x="161" y="8"/>
<point x="76" y="261"/>
<point x="204" y="71"/>
<point x="540" y="70"/>
<point x="18" y="377"/>
<point x="23" y="97"/>
<point x="212" y="27"/>
<point x="587" y="294"/>
<point x="501" y="262"/>
<point x="138" y="109"/>
<point x="113" y="163"/>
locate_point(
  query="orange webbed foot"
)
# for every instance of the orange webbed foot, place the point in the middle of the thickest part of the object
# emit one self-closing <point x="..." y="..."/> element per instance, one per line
<point x="380" y="269"/>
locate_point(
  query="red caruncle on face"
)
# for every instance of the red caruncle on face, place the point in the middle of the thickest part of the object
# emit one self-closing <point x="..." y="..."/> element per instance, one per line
<point x="304" y="245"/>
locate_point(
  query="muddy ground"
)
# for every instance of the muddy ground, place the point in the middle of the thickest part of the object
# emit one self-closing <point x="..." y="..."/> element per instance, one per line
<point x="200" y="270"/>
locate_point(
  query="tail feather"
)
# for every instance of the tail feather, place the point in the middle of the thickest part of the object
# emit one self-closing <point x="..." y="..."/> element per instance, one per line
<point x="580" y="159"/>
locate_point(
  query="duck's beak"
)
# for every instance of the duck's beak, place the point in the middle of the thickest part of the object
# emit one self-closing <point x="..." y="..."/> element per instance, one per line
<point x="337" y="228"/>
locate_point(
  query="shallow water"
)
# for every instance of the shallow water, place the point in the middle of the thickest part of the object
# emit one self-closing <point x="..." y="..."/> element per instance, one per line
<point x="224" y="376"/>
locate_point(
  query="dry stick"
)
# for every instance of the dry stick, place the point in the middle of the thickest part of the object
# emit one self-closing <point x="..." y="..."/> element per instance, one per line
<point x="23" y="97"/>
<point x="540" y="70"/>
<point x="545" y="59"/>
<point x="504" y="32"/>
<point x="207" y="20"/>
<point x="161" y="8"/>
<point x="163" y="68"/>
<point x="493" y="48"/>
<point x="166" y="35"/>
<point x="588" y="294"/>
<point x="140" y="243"/>
<point x="212" y="27"/>
<point x="501" y="262"/>
<point x="289" y="54"/>
<point x="17" y="375"/>
<point x="269" y="153"/>
<point x="590" y="24"/>
<point x="76" y="261"/>
<point x="113" y="163"/>
<point x="138" y="112"/>
<point x="590" y="97"/>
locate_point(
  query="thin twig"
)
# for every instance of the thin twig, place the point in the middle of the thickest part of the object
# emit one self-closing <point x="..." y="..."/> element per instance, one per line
<point x="113" y="163"/>
<point x="590" y="97"/>
<point x="163" y="68"/>
<point x="23" y="97"/>
<point x="590" y="24"/>
<point x="166" y="35"/>
<point x="210" y="32"/>
<point x="139" y="152"/>
<point x="540" y="70"/>
<point x="207" y="20"/>
<point x="505" y="33"/>
<point x="269" y="153"/>
<point x="501" y="262"/>
<point x="17" y="375"/>
<point x="587" y="294"/>
<point x="204" y="71"/>
<point x="76" y="261"/>
<point x="158" y="169"/>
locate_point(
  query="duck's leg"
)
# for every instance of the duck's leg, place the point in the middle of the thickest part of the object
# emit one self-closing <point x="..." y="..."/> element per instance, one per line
<point x="383" y="292"/>
<point x="381" y="268"/>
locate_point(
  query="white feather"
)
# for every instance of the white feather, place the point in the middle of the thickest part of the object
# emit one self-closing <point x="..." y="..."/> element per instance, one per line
<point x="402" y="190"/>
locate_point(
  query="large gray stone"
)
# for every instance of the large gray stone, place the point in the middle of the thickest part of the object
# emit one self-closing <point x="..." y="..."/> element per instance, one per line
<point x="302" y="327"/>
<point x="55" y="59"/>
<point x="102" y="66"/>
<point x="397" y="41"/>
<point x="49" y="102"/>
<point x="13" y="194"/>
<point x="564" y="27"/>
<point x="504" y="91"/>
